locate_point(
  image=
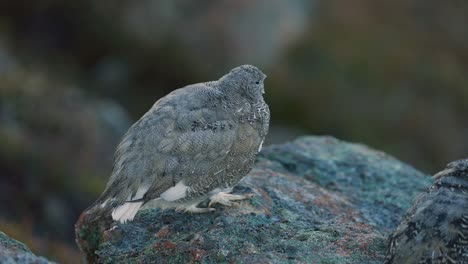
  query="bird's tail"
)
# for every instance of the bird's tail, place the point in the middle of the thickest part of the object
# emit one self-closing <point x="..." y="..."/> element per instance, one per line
<point x="119" y="211"/>
<point x="98" y="210"/>
<point x="126" y="211"/>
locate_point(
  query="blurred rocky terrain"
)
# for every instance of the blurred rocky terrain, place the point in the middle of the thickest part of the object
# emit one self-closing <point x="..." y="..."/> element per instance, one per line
<point x="391" y="74"/>
<point x="318" y="200"/>
<point x="75" y="75"/>
<point x="56" y="148"/>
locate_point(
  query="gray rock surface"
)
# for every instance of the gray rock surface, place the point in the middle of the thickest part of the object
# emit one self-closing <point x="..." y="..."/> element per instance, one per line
<point x="12" y="251"/>
<point x="318" y="200"/>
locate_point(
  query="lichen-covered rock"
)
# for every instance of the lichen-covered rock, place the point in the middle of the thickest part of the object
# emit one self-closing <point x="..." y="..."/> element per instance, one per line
<point x="318" y="200"/>
<point x="12" y="251"/>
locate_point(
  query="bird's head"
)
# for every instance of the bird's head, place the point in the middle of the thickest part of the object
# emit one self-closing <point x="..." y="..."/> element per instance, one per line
<point x="247" y="80"/>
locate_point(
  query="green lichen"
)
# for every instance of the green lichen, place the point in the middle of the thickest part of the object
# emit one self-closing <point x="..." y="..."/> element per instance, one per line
<point x="91" y="236"/>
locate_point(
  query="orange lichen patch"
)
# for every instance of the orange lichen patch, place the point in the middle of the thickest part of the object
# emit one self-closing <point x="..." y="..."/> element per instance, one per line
<point x="267" y="211"/>
<point x="342" y="251"/>
<point x="327" y="201"/>
<point x="163" y="232"/>
<point x="169" y="245"/>
<point x="245" y="207"/>
<point x="196" y="254"/>
<point x="349" y="242"/>
<point x="165" y="247"/>
<point x="264" y="195"/>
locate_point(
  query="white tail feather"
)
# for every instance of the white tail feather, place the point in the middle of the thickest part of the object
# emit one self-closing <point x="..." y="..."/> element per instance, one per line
<point x="126" y="212"/>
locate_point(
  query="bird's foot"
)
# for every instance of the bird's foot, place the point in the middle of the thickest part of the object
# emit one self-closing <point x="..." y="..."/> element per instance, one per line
<point x="194" y="209"/>
<point x="227" y="198"/>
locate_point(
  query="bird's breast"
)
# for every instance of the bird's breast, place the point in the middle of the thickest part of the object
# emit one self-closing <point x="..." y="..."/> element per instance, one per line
<point x="255" y="115"/>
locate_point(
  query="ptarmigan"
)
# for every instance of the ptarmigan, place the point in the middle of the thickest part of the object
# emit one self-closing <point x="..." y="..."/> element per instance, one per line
<point x="435" y="228"/>
<point x="194" y="144"/>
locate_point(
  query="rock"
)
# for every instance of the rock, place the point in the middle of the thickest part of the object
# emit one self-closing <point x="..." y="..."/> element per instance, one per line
<point x="12" y="251"/>
<point x="318" y="199"/>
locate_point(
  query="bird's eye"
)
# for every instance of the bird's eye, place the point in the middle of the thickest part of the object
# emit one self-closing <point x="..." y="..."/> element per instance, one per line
<point x="257" y="82"/>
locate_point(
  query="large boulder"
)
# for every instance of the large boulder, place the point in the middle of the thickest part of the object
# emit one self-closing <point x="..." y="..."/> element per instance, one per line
<point x="318" y="199"/>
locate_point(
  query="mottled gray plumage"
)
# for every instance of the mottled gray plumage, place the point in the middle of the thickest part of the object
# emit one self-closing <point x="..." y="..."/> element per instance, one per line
<point x="194" y="143"/>
<point x="435" y="228"/>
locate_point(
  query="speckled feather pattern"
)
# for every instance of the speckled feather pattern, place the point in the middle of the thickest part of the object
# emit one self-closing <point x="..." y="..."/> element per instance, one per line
<point x="435" y="228"/>
<point x="205" y="136"/>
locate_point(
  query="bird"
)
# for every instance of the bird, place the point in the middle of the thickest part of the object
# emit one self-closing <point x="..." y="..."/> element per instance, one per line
<point x="435" y="227"/>
<point x="194" y="144"/>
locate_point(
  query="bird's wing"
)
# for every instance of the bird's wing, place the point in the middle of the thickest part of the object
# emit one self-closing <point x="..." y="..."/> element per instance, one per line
<point x="191" y="146"/>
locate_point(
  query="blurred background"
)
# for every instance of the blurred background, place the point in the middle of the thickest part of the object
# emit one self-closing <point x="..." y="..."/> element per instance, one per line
<point x="74" y="75"/>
